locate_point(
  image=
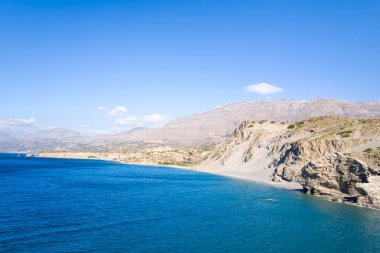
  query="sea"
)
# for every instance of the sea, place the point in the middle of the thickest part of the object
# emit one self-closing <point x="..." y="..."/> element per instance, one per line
<point x="71" y="205"/>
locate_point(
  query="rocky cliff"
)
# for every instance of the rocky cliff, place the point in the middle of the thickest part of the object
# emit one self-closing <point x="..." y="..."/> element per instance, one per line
<point x="332" y="156"/>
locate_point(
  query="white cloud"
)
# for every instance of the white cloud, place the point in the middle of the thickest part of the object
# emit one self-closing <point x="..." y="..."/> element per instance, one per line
<point x="155" y="118"/>
<point x="132" y="120"/>
<point x="102" y="108"/>
<point x="17" y="122"/>
<point x="23" y="122"/>
<point x="117" y="111"/>
<point x="218" y="106"/>
<point x="152" y="120"/>
<point x="263" y="88"/>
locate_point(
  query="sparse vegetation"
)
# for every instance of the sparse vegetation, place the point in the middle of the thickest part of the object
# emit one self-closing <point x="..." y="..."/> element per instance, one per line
<point x="368" y="150"/>
<point x="345" y="134"/>
<point x="176" y="163"/>
<point x="250" y="124"/>
<point x="291" y="126"/>
<point x="300" y="123"/>
<point x="262" y="121"/>
<point x="272" y="122"/>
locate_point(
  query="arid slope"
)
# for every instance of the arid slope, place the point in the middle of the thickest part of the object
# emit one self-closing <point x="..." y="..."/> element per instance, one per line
<point x="333" y="156"/>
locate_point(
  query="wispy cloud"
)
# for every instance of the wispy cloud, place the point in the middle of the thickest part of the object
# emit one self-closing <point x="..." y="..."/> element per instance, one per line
<point x="23" y="122"/>
<point x="263" y="88"/>
<point x="102" y="108"/>
<point x="152" y="120"/>
<point x="155" y="118"/>
<point x="127" y="121"/>
<point x="117" y="111"/>
<point x="218" y="106"/>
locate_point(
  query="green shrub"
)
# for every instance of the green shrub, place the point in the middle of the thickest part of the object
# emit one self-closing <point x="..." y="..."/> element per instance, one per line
<point x="262" y="121"/>
<point x="368" y="150"/>
<point x="300" y="123"/>
<point x="291" y="126"/>
<point x="272" y="122"/>
<point x="345" y="134"/>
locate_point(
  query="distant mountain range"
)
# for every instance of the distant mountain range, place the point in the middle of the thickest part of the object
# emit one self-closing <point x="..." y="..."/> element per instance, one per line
<point x="192" y="131"/>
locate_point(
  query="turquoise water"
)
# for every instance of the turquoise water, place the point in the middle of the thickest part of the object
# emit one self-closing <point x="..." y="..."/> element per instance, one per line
<point x="64" y="205"/>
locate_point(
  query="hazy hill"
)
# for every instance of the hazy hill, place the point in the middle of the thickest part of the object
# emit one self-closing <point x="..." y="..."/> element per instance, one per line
<point x="57" y="134"/>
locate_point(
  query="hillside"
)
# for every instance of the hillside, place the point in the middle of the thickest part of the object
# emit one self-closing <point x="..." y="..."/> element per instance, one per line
<point x="333" y="156"/>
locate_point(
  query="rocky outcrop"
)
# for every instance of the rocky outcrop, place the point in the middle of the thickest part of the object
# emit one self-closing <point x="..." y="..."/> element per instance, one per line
<point x="337" y="173"/>
<point x="316" y="153"/>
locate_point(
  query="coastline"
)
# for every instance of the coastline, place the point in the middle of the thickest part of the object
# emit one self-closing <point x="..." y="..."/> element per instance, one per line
<point x="283" y="185"/>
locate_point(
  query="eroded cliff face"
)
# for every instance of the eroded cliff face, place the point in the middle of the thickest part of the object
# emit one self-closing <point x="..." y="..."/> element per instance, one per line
<point x="332" y="156"/>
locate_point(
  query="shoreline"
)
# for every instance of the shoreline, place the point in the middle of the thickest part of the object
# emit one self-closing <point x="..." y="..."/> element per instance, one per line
<point x="284" y="186"/>
<point x="288" y="186"/>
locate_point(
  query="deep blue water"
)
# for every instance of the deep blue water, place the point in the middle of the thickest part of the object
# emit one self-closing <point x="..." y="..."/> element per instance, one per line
<point x="64" y="205"/>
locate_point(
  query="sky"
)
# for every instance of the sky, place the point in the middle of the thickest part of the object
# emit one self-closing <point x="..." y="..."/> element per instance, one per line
<point x="107" y="66"/>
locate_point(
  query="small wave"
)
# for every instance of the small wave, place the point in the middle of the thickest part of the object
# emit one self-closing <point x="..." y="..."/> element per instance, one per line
<point x="269" y="199"/>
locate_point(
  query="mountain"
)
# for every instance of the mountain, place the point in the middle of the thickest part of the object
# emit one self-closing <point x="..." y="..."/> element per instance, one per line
<point x="214" y="126"/>
<point x="49" y="139"/>
<point x="330" y="156"/>
<point x="199" y="130"/>
<point x="374" y="102"/>
<point x="6" y="136"/>
<point x="57" y="134"/>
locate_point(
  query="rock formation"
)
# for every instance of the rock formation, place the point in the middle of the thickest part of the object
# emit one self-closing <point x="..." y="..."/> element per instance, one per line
<point x="332" y="156"/>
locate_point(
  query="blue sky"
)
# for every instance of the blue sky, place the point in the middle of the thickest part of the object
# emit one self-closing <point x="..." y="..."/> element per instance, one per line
<point x="69" y="63"/>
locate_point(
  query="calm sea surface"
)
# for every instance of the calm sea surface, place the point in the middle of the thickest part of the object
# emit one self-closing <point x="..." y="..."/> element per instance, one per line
<point x="64" y="205"/>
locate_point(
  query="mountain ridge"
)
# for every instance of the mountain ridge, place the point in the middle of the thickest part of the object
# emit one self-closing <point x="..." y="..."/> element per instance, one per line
<point x="215" y="125"/>
<point x="198" y="130"/>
